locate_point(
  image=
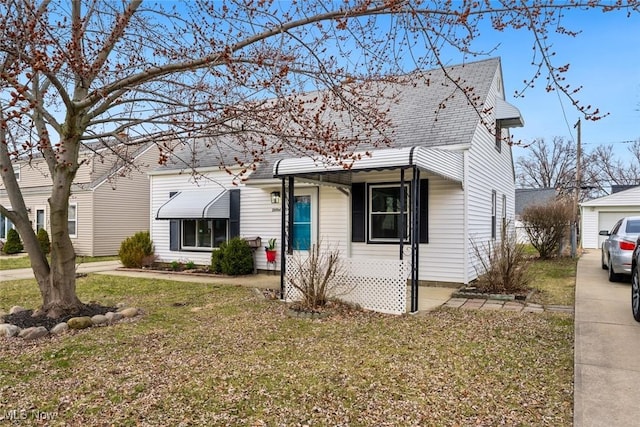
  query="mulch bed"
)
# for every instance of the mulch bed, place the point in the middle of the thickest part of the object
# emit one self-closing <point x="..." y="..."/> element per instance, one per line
<point x="25" y="319"/>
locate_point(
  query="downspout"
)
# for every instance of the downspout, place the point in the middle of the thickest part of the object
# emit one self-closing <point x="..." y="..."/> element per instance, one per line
<point x="465" y="217"/>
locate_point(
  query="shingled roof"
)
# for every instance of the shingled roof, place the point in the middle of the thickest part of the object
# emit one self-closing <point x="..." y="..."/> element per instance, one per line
<point x="417" y="117"/>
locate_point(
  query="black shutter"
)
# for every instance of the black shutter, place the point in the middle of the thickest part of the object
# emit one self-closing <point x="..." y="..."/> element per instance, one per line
<point x="174" y="230"/>
<point x="358" y="212"/>
<point x="424" y="211"/>
<point x="234" y="213"/>
<point x="174" y="234"/>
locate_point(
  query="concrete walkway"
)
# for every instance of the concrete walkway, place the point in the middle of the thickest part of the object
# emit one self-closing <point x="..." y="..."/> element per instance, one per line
<point x="89" y="267"/>
<point x="607" y="349"/>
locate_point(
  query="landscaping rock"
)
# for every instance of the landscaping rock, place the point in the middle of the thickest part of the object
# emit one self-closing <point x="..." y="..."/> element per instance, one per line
<point x="16" y="309"/>
<point x="60" y="328"/>
<point x="9" y="330"/>
<point x="113" y="317"/>
<point x="80" y="322"/>
<point x="129" y="312"/>
<point x="99" y="319"/>
<point x="33" y="333"/>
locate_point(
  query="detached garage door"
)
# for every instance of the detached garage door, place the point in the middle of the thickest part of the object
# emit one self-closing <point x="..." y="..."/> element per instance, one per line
<point x="606" y="221"/>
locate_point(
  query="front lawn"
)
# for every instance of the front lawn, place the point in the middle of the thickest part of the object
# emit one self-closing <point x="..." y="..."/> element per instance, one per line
<point x="554" y="281"/>
<point x="221" y="355"/>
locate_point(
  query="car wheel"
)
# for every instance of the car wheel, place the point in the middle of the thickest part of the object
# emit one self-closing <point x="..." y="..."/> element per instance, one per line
<point x="604" y="264"/>
<point x="613" y="276"/>
<point x="635" y="294"/>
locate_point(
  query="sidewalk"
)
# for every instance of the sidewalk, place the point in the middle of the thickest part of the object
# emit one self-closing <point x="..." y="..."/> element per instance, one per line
<point x="607" y="349"/>
<point x="89" y="267"/>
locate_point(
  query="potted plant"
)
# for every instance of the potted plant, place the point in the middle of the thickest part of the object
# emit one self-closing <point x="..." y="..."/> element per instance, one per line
<point x="270" y="250"/>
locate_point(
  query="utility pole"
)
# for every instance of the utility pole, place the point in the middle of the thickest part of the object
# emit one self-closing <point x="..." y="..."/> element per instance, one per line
<point x="576" y="194"/>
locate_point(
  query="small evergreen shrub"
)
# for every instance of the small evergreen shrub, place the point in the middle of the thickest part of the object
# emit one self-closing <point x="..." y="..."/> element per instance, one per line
<point x="216" y="259"/>
<point x="13" y="245"/>
<point x="237" y="258"/>
<point x="137" y="250"/>
<point x="190" y="265"/>
<point x="43" y="239"/>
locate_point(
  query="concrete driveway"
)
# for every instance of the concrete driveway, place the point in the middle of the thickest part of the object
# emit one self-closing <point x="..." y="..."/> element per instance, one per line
<point x="607" y="349"/>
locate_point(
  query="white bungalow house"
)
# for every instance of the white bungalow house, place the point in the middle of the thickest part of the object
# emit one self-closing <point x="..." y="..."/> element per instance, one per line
<point x="603" y="213"/>
<point x="457" y="175"/>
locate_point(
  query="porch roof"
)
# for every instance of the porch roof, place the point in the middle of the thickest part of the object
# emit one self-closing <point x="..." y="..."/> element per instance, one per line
<point x="196" y="204"/>
<point x="448" y="164"/>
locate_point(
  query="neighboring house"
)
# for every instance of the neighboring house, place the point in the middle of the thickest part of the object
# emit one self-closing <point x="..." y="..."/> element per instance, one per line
<point x="602" y="214"/>
<point x="109" y="202"/>
<point x="526" y="197"/>
<point x="458" y="176"/>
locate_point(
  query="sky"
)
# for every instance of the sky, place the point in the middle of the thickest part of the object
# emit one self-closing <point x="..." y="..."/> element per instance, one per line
<point x="604" y="59"/>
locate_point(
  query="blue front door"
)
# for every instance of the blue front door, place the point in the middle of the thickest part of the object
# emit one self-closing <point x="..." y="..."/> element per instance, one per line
<point x="302" y="223"/>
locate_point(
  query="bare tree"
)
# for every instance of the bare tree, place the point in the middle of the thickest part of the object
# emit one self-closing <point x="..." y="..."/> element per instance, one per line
<point x="264" y="75"/>
<point x="604" y="168"/>
<point x="548" y="165"/>
<point x="554" y="166"/>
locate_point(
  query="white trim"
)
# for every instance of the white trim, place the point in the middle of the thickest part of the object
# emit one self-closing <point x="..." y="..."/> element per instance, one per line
<point x="18" y="172"/>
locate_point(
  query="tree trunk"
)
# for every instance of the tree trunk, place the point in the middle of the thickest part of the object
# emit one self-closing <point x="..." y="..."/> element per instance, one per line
<point x="58" y="288"/>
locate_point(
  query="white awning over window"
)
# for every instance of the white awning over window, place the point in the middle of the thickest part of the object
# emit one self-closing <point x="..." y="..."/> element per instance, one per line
<point x="508" y="115"/>
<point x="445" y="163"/>
<point x="195" y="204"/>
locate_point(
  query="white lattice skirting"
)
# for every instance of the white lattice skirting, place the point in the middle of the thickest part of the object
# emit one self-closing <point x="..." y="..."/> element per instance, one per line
<point x="375" y="284"/>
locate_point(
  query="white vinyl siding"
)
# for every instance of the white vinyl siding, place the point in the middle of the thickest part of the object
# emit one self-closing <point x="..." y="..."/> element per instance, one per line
<point x="487" y="165"/>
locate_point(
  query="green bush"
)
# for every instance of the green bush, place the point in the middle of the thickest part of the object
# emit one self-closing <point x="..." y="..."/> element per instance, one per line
<point x="216" y="258"/>
<point x="13" y="245"/>
<point x="43" y="239"/>
<point x="137" y="251"/>
<point x="237" y="258"/>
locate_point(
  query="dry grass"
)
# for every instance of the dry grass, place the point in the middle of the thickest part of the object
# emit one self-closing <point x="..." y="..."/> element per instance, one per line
<point x="554" y="281"/>
<point x="219" y="355"/>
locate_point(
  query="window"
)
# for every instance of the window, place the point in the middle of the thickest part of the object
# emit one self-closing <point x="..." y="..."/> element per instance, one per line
<point x="504" y="212"/>
<point x="494" y="209"/>
<point x="203" y="233"/>
<point x="5" y="226"/>
<point x="498" y="136"/>
<point x="16" y="171"/>
<point x="40" y="221"/>
<point x="73" y="220"/>
<point x="384" y="213"/>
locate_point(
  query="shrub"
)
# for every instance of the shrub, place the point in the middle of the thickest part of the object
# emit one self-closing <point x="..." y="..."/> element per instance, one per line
<point x="216" y="259"/>
<point x="547" y="225"/>
<point x="136" y="251"/>
<point x="237" y="257"/>
<point x="176" y="266"/>
<point x="314" y="276"/>
<point x="503" y="266"/>
<point x="43" y="239"/>
<point x="13" y="245"/>
<point x="190" y="265"/>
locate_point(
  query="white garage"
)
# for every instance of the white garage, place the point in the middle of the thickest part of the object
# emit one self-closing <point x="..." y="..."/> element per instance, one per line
<point x="604" y="212"/>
